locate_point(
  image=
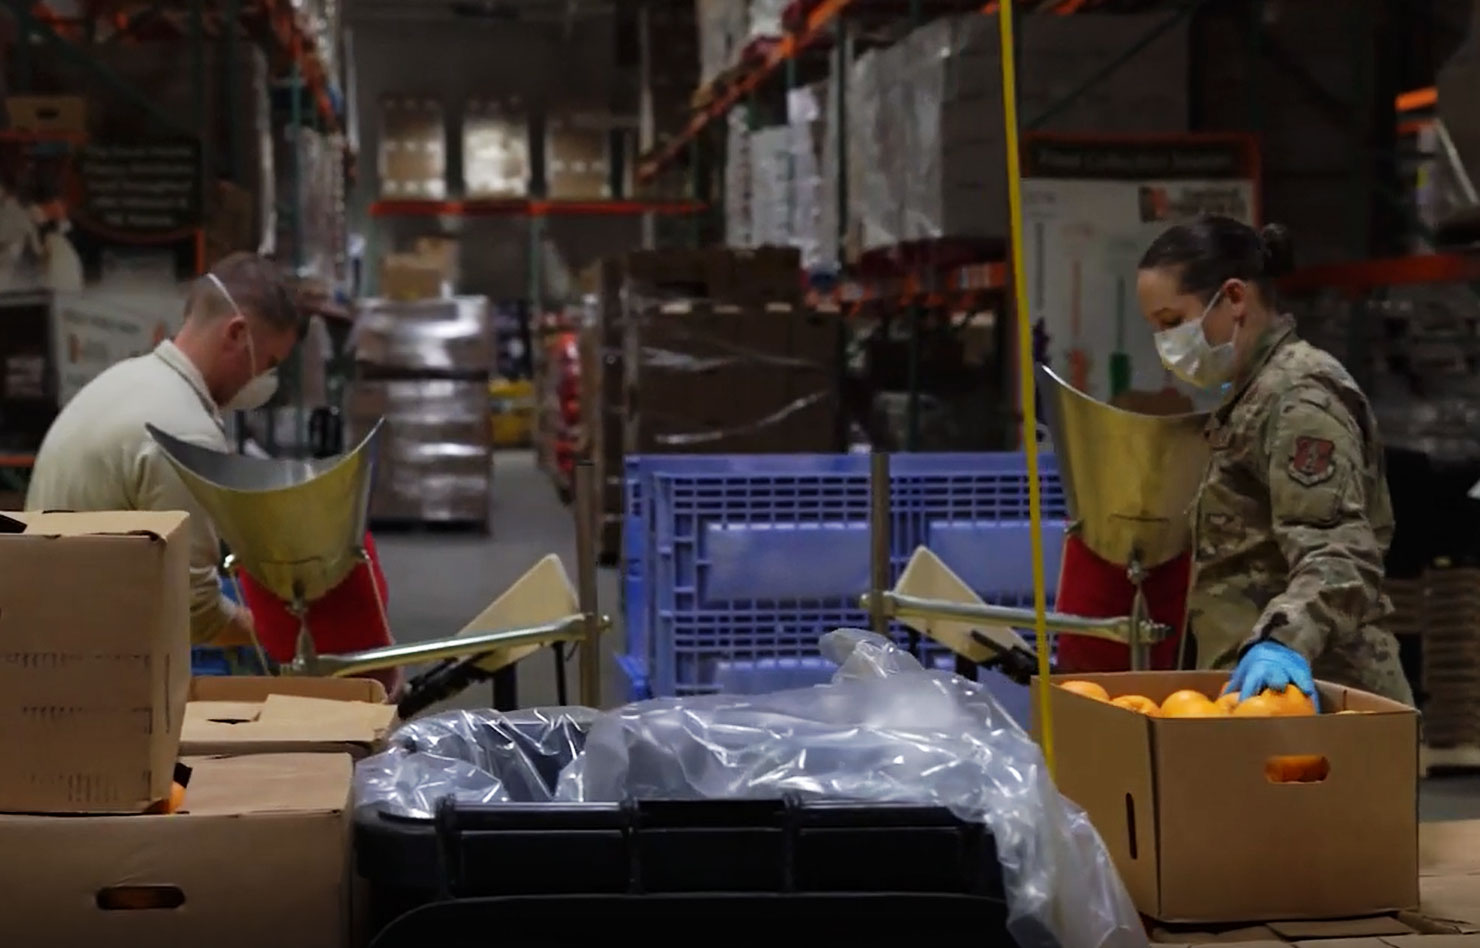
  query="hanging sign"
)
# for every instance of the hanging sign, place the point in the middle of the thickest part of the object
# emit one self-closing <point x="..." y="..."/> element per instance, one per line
<point x="1091" y="206"/>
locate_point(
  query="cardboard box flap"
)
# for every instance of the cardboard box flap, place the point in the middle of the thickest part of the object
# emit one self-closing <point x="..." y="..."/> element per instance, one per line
<point x="268" y="783"/>
<point x="543" y="594"/>
<point x="1449" y="848"/>
<point x="286" y="719"/>
<point x="1245" y="935"/>
<point x="1455" y="899"/>
<point x="198" y="713"/>
<point x="155" y="523"/>
<point x="356" y="720"/>
<point x="1341" y="928"/>
<point x="256" y="689"/>
<point x="928" y="577"/>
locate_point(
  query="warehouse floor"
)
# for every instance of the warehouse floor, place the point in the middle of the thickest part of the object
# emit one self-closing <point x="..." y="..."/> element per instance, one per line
<point x="438" y="581"/>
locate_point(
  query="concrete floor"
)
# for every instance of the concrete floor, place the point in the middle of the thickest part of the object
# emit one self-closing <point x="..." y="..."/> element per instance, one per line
<point x="438" y="581"/>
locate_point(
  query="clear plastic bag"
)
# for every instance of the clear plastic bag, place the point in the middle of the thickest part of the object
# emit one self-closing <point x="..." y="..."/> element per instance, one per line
<point x="884" y="730"/>
<point x="472" y="757"/>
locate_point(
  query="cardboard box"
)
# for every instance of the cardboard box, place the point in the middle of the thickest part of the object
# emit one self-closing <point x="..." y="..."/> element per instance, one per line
<point x="410" y="276"/>
<point x="95" y="620"/>
<point x="259" y="856"/>
<point x="443" y="252"/>
<point x="47" y="114"/>
<point x="1198" y="832"/>
<point x="231" y="716"/>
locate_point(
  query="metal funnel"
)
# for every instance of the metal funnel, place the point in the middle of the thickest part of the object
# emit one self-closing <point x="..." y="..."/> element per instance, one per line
<point x="1129" y="479"/>
<point x="297" y="526"/>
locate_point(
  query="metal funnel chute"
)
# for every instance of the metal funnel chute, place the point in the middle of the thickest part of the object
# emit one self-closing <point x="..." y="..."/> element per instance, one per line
<point x="296" y="526"/>
<point x="1129" y="479"/>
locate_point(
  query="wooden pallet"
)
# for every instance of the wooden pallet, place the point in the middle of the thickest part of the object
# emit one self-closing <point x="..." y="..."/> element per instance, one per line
<point x="1448" y="759"/>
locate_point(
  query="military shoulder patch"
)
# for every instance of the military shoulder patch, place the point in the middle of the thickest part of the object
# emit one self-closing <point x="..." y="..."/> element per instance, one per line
<point x="1312" y="461"/>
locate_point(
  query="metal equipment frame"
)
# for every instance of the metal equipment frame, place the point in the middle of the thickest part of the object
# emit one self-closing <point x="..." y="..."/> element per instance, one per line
<point x="1135" y="631"/>
<point x="584" y="627"/>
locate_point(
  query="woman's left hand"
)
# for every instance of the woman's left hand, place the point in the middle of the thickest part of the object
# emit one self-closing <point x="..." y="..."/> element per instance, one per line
<point x="1271" y="666"/>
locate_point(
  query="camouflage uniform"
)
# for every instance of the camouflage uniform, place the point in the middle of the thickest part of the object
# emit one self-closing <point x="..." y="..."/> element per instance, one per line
<point x="1293" y="521"/>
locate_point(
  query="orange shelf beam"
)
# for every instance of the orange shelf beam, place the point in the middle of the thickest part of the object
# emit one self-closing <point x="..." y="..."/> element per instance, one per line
<point x="1363" y="275"/>
<point x="788" y="47"/>
<point x="1417" y="99"/>
<point x="282" y="26"/>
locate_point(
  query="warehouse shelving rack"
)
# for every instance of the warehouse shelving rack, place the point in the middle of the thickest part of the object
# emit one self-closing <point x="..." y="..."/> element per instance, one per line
<point x="313" y="96"/>
<point x="927" y="284"/>
<point x="820" y="38"/>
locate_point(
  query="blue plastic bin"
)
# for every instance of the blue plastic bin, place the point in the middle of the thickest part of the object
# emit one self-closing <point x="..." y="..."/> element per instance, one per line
<point x="754" y="557"/>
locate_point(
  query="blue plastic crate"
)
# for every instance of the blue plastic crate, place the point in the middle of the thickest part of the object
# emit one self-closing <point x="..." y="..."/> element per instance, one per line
<point x="754" y="557"/>
<point x="207" y="661"/>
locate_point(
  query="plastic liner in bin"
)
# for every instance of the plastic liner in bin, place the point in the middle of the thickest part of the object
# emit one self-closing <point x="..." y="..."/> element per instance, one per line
<point x="473" y="757"/>
<point x="884" y="732"/>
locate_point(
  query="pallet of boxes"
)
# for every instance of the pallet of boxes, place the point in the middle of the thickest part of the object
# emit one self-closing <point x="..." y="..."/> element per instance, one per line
<point x="704" y="352"/>
<point x="423" y="360"/>
<point x="123" y="822"/>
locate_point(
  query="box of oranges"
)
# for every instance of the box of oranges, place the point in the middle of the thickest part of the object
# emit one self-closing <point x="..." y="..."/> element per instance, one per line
<point x="1217" y="810"/>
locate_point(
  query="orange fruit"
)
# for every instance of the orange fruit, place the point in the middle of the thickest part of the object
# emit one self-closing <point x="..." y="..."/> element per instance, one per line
<point x="1297" y="768"/>
<point x="1087" y="689"/>
<point x="1227" y="702"/>
<point x="1190" y="704"/>
<point x="1292" y="702"/>
<point x="1139" y="704"/>
<point x="1266" y="704"/>
<point x="171" y="804"/>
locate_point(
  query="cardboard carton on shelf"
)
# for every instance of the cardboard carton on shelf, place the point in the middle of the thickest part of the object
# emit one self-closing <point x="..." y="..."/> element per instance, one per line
<point x="231" y="716"/>
<point x="47" y="114"/>
<point x="259" y="855"/>
<point x="411" y="276"/>
<point x="1200" y="834"/>
<point x="443" y="252"/>
<point x="96" y="664"/>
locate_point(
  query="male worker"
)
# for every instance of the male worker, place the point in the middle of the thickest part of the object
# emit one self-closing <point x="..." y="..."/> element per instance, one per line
<point x="240" y="324"/>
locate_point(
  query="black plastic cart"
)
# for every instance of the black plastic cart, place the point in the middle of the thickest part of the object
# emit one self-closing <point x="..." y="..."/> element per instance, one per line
<point x="675" y="872"/>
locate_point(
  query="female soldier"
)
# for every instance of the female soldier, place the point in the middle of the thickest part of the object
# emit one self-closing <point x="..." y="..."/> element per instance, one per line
<point x="1293" y="519"/>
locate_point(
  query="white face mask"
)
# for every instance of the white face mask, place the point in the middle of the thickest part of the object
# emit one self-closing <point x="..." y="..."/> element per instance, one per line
<point x="262" y="386"/>
<point x="1188" y="355"/>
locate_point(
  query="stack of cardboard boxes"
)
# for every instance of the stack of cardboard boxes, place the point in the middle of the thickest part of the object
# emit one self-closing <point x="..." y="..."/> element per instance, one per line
<point x="577" y="157"/>
<point x="704" y="352"/>
<point x="413" y="153"/>
<point x="496" y="147"/>
<point x="427" y="271"/>
<point x="424" y="368"/>
<point x="942" y="174"/>
<point x="98" y="720"/>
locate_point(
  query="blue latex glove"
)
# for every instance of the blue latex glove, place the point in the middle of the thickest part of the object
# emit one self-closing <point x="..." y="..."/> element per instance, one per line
<point x="1270" y="665"/>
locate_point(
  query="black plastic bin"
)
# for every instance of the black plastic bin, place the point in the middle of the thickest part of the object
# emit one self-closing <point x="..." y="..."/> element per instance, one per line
<point x="673" y="872"/>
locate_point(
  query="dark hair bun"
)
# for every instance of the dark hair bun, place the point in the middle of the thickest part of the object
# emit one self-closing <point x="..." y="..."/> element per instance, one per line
<point x="1279" y="255"/>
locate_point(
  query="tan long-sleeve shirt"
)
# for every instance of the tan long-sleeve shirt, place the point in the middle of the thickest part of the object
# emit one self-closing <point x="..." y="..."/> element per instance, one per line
<point x="97" y="456"/>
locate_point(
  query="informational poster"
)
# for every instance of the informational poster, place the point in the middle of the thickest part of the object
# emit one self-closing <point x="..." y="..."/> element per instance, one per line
<point x="92" y="330"/>
<point x="1091" y="206"/>
<point x="69" y="206"/>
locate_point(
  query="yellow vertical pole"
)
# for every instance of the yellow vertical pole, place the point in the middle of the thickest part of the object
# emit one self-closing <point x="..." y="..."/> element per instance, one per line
<point x="1025" y="366"/>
